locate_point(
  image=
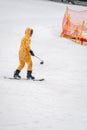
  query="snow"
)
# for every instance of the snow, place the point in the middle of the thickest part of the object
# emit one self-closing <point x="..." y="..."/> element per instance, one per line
<point x="59" y="102"/>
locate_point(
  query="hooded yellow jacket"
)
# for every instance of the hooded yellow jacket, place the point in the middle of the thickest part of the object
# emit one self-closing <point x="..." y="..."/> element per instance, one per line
<point x="25" y="46"/>
<point x="24" y="55"/>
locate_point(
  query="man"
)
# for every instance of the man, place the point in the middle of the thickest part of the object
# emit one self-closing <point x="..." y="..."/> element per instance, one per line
<point x="25" y="53"/>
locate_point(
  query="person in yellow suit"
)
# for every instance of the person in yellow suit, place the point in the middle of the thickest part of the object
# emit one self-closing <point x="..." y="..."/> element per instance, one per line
<point x="25" y="54"/>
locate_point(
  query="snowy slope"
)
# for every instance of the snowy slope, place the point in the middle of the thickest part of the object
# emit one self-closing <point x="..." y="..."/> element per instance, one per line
<point x="58" y="103"/>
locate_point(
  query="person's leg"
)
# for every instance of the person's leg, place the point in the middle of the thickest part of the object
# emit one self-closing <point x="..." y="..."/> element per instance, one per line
<point x="21" y="65"/>
<point x="29" y="69"/>
<point x="18" y="70"/>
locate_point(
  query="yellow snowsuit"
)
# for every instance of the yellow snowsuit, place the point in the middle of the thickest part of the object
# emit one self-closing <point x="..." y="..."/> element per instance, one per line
<point x="24" y="51"/>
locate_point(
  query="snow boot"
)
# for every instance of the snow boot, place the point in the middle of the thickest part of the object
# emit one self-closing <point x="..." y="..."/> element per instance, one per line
<point x="16" y="74"/>
<point x="29" y="76"/>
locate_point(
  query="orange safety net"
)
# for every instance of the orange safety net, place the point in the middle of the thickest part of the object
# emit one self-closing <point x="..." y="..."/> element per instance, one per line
<point x="74" y="26"/>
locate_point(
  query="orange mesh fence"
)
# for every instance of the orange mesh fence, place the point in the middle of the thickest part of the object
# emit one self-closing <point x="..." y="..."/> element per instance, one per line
<point x="74" y="26"/>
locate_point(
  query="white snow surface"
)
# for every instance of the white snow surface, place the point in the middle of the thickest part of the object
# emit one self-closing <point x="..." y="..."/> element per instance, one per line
<point x="59" y="102"/>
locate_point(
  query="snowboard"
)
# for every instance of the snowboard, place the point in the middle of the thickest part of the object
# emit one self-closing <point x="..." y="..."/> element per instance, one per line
<point x="12" y="78"/>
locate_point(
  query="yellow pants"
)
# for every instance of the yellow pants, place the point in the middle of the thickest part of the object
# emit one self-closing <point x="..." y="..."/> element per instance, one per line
<point x="25" y="59"/>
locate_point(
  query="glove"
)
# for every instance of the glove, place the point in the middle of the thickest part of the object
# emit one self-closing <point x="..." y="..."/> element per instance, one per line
<point x="32" y="53"/>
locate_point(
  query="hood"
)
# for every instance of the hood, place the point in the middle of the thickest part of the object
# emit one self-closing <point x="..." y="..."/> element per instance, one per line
<point x="27" y="31"/>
